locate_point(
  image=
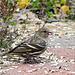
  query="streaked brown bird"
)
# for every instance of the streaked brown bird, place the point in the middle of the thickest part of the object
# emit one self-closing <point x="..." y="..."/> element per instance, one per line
<point x="33" y="46"/>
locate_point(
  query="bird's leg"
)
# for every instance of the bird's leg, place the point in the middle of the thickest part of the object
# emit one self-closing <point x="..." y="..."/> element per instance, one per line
<point x="30" y="59"/>
<point x="36" y="61"/>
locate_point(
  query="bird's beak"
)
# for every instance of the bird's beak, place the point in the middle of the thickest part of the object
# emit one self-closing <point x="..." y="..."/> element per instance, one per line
<point x="50" y="33"/>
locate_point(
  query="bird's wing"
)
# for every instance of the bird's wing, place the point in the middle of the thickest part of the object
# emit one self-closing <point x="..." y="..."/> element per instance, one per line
<point x="25" y="47"/>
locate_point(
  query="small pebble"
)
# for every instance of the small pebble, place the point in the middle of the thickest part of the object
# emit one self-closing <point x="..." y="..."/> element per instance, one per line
<point x="46" y="72"/>
<point x="72" y="72"/>
<point x="6" y="62"/>
<point x="4" y="57"/>
<point x="2" y="72"/>
<point x="41" y="64"/>
<point x="19" y="71"/>
<point x="52" y="71"/>
<point x="58" y="67"/>
<point x="15" y="66"/>
<point x="60" y="60"/>
<point x="33" y="70"/>
<point x="31" y="65"/>
<point x="65" y="65"/>
<point x="62" y="57"/>
<point x="7" y="69"/>
<point x="17" y="10"/>
<point x="54" y="64"/>
<point x="72" y="60"/>
<point x="67" y="69"/>
<point x="11" y="68"/>
<point x="0" y="67"/>
<point x="1" y="62"/>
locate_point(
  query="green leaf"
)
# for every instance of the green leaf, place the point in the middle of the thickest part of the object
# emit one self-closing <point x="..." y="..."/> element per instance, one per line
<point x="35" y="2"/>
<point x="48" y="4"/>
<point x="24" y="20"/>
<point x="50" y="14"/>
<point x="9" y="1"/>
<point x="2" y="38"/>
<point x="12" y="22"/>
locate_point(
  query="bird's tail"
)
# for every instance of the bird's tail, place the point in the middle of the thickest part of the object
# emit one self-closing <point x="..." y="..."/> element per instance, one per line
<point x="4" y="54"/>
<point x="10" y="52"/>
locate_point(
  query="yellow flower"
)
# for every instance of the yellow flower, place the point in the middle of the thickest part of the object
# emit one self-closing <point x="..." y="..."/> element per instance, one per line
<point x="63" y="1"/>
<point x="21" y="3"/>
<point x="64" y="8"/>
<point x="56" y="5"/>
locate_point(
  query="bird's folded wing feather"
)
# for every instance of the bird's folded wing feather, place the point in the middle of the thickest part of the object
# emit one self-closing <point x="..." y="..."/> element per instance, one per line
<point x="25" y="47"/>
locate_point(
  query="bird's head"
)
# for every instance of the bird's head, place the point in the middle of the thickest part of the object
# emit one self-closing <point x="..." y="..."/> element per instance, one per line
<point x="43" y="32"/>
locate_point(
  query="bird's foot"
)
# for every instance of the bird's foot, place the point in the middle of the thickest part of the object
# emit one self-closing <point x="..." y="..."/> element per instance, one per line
<point x="32" y="61"/>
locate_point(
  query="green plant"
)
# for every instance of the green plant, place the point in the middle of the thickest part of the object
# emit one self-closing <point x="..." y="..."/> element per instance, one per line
<point x="12" y="22"/>
<point x="50" y="14"/>
<point x="7" y="8"/>
<point x="70" y="14"/>
<point x="2" y="43"/>
<point x="44" y="7"/>
<point x="72" y="17"/>
<point x="24" y="21"/>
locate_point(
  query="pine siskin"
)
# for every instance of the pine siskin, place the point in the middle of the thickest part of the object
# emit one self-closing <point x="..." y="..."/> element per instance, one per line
<point x="32" y="47"/>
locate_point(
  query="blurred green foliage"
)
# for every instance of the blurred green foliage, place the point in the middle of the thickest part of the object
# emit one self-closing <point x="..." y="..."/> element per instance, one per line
<point x="7" y="8"/>
<point x="70" y="14"/>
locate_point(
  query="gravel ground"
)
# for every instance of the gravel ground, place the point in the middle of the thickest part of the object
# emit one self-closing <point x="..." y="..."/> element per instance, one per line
<point x="62" y="62"/>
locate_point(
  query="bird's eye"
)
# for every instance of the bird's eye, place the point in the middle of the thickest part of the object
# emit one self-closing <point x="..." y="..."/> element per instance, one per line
<point x="45" y="31"/>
